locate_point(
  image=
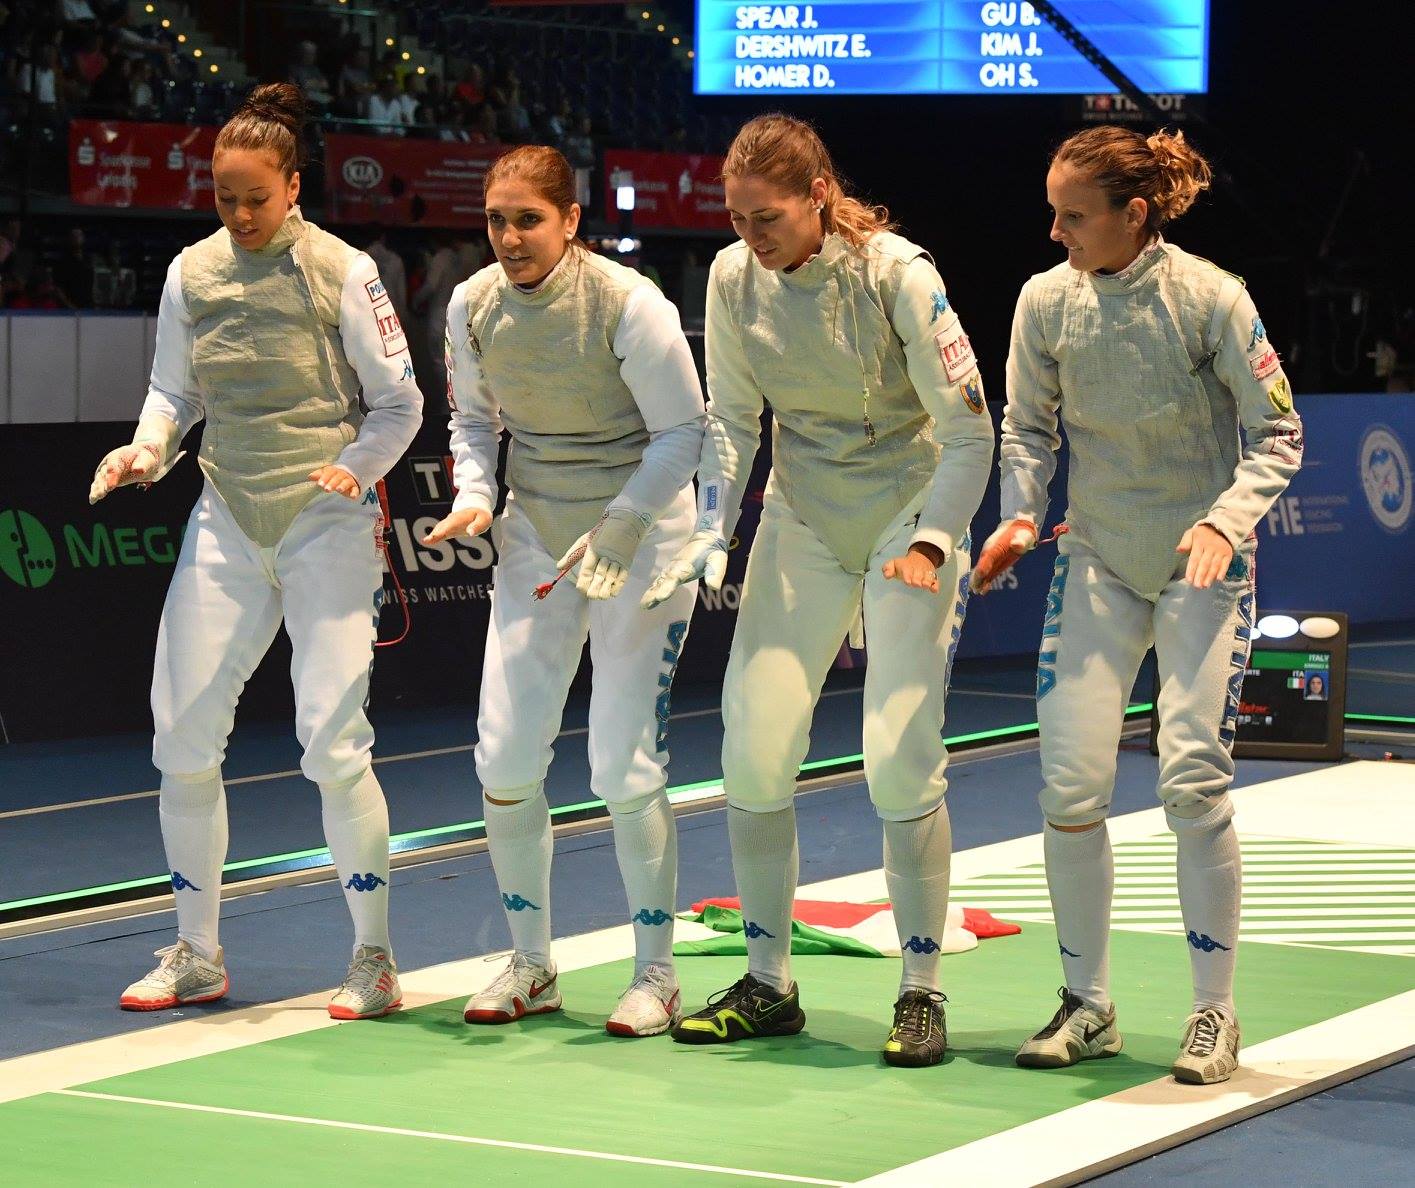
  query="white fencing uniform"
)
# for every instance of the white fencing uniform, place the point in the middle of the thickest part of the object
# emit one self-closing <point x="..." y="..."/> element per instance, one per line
<point x="850" y="346"/>
<point x="1152" y="371"/>
<point x="591" y="374"/>
<point x="271" y="347"/>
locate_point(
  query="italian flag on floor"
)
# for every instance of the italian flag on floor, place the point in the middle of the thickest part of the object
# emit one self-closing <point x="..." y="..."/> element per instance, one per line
<point x="844" y="929"/>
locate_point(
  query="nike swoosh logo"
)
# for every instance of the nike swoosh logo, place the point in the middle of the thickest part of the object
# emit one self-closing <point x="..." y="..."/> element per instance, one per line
<point x="1088" y="1033"/>
<point x="541" y="988"/>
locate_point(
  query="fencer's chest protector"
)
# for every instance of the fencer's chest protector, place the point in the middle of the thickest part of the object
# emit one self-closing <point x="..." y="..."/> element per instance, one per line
<point x="281" y="397"/>
<point x="822" y="350"/>
<point x="1152" y="431"/>
<point x="548" y="356"/>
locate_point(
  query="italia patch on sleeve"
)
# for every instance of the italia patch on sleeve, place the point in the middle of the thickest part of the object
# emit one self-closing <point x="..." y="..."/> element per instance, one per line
<point x="956" y="352"/>
<point x="971" y="389"/>
<point x="1265" y="364"/>
<point x="390" y="330"/>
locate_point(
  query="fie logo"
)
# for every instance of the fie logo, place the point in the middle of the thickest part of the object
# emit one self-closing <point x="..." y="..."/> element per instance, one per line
<point x="1385" y="478"/>
<point x="26" y="550"/>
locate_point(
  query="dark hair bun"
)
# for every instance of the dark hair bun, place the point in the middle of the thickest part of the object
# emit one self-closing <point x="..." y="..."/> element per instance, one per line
<point x="283" y="103"/>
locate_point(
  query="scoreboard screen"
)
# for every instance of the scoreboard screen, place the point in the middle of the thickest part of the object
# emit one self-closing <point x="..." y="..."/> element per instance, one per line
<point x="946" y="47"/>
<point x="1290" y="700"/>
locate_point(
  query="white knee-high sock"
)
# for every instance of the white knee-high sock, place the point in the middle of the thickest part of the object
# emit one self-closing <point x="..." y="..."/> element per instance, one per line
<point x="1081" y="879"/>
<point x="766" y="863"/>
<point x="1210" y="873"/>
<point x="192" y="809"/>
<point x="519" y="838"/>
<point x="917" y="857"/>
<point x="646" y="845"/>
<point x="356" y="829"/>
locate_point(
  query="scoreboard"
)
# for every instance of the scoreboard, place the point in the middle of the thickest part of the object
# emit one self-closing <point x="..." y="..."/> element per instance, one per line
<point x="946" y="47"/>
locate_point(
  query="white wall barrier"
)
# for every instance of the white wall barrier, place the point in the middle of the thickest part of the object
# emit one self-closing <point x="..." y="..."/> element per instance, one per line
<point x="62" y="367"/>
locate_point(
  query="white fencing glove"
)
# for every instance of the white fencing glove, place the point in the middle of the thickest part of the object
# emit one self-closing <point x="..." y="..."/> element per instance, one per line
<point x="606" y="552"/>
<point x="151" y="454"/>
<point x="703" y="555"/>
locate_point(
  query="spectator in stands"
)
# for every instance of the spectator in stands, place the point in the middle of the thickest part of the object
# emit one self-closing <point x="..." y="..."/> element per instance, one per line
<point x="76" y="12"/>
<point x="454" y="124"/>
<point x="386" y="110"/>
<point x="41" y="293"/>
<point x="115" y="285"/>
<point x="143" y="97"/>
<point x="111" y="94"/>
<point x="73" y="275"/>
<point x="561" y="120"/>
<point x="513" y="120"/>
<point x="411" y="98"/>
<point x="471" y="91"/>
<point x="355" y="84"/>
<point x="484" y="126"/>
<point x="91" y="58"/>
<point x="579" y="146"/>
<point x="42" y="84"/>
<point x="10" y="236"/>
<point x="454" y="260"/>
<point x="390" y="270"/>
<point x="306" y="73"/>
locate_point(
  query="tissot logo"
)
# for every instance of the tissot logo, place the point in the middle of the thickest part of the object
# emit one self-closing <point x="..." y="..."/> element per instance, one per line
<point x="363" y="173"/>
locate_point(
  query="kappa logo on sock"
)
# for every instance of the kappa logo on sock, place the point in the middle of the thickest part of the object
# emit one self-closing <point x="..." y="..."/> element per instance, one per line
<point x="1205" y="943"/>
<point x="754" y="930"/>
<point x="917" y="944"/>
<point x="644" y="916"/>
<point x="1065" y="952"/>
<point x="182" y="884"/>
<point x="517" y="903"/>
<point x="364" y="882"/>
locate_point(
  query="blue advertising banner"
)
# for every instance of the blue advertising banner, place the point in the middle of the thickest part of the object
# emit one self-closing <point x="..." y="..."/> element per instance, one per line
<point x="1341" y="538"/>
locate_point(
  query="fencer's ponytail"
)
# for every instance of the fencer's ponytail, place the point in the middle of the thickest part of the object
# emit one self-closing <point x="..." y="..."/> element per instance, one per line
<point x="1164" y="169"/>
<point x="788" y="153"/>
<point x="270" y="120"/>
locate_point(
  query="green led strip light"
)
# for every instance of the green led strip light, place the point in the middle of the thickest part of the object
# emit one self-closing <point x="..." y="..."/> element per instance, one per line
<point x="403" y="842"/>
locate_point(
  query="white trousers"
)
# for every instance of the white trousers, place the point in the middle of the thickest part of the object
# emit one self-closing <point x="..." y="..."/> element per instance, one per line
<point x="223" y="609"/>
<point x="798" y="604"/>
<point x="1096" y="633"/>
<point x="533" y="650"/>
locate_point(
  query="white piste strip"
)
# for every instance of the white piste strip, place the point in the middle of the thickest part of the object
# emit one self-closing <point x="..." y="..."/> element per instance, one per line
<point x="440" y="1136"/>
<point x="1098" y="1136"/>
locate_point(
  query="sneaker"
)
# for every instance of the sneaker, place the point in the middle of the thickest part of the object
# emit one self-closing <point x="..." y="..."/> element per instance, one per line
<point x="650" y="1006"/>
<point x="183" y="976"/>
<point x="747" y="1009"/>
<point x="522" y="988"/>
<point x="370" y="987"/>
<point x="920" y="1032"/>
<point x="1208" y="1053"/>
<point x="1076" y="1032"/>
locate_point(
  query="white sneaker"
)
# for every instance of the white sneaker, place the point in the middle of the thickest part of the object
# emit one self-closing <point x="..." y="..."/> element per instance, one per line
<point x="1208" y="1052"/>
<point x="1076" y="1032"/>
<point x="183" y="976"/>
<point x="650" y="1006"/>
<point x="522" y="988"/>
<point x="370" y="987"/>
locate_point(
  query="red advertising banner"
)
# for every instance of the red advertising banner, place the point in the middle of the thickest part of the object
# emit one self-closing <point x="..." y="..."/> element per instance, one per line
<point x="387" y="179"/>
<point x="115" y="163"/>
<point x="670" y="189"/>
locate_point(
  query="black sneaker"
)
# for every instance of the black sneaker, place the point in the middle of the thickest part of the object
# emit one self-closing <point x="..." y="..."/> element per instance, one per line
<point x="747" y="1009"/>
<point x="920" y="1032"/>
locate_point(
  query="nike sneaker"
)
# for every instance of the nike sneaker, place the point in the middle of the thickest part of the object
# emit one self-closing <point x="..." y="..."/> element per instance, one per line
<point x="747" y="1009"/>
<point x="1076" y="1032"/>
<point x="522" y="988"/>
<point x="650" y="1006"/>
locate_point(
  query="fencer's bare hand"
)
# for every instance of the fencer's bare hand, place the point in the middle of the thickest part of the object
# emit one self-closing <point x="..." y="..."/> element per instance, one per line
<point x="127" y="464"/>
<point x="1209" y="555"/>
<point x="918" y="567"/>
<point x="338" y="481"/>
<point x="470" y="521"/>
